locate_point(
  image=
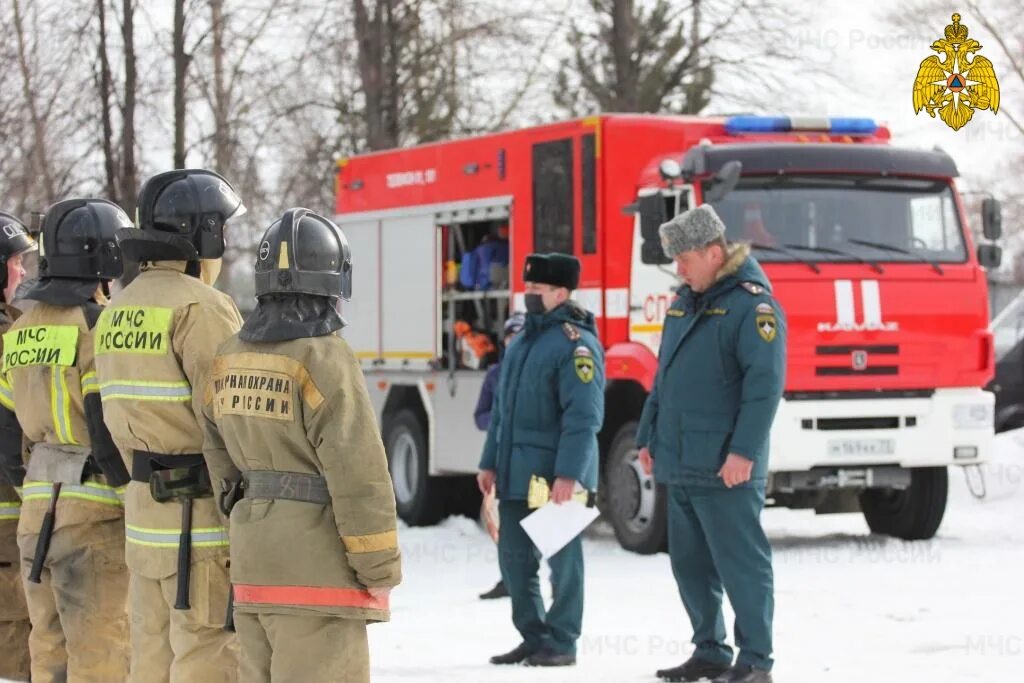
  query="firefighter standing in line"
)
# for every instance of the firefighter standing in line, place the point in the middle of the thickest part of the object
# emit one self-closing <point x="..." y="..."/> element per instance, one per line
<point x="14" y="622"/>
<point x="314" y="547"/>
<point x="154" y="346"/>
<point x="71" y="531"/>
<point x="706" y="423"/>
<point x="547" y="412"/>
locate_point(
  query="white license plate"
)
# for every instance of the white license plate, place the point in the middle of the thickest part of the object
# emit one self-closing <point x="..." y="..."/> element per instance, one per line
<point x="840" y="448"/>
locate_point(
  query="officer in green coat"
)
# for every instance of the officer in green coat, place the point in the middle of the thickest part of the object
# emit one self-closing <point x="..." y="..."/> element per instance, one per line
<point x="705" y="429"/>
<point x="547" y="411"/>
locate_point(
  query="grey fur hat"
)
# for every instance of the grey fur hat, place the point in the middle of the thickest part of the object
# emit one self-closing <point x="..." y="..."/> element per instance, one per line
<point x="692" y="229"/>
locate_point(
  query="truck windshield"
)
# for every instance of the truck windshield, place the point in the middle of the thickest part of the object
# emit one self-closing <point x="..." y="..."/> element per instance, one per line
<point x="846" y="218"/>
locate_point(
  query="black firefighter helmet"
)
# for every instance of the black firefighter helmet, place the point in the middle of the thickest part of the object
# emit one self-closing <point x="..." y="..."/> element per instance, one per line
<point x="182" y="216"/>
<point x="303" y="253"/>
<point x="14" y="240"/>
<point x="77" y="240"/>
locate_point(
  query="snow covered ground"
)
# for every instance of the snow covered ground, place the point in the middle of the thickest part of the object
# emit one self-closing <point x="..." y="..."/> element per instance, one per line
<point x="849" y="606"/>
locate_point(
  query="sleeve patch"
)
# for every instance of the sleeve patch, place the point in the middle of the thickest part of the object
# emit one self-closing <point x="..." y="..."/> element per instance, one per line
<point x="765" y="308"/>
<point x="584" y="368"/>
<point x="767" y="326"/>
<point x="582" y="352"/>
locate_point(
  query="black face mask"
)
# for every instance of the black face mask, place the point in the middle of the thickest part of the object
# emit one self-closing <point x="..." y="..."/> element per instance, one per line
<point x="534" y="303"/>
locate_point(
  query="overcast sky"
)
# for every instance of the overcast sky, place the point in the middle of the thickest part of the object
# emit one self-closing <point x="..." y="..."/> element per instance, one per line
<point x="876" y="65"/>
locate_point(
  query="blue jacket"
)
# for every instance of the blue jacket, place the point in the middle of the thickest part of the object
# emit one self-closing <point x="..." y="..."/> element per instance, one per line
<point x="485" y="403"/>
<point x="721" y="371"/>
<point x="549" y="404"/>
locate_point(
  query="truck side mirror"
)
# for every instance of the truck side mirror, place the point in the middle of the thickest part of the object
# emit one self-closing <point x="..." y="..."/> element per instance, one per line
<point x="723" y="182"/>
<point x="652" y="253"/>
<point x="990" y="255"/>
<point x="652" y="215"/>
<point x="991" y="218"/>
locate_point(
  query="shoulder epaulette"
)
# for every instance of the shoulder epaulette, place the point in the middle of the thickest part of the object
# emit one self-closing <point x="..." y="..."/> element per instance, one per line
<point x="753" y="288"/>
<point x="571" y="331"/>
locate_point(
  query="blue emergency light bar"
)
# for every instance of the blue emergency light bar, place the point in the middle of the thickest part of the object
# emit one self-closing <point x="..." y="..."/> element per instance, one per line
<point x="736" y="125"/>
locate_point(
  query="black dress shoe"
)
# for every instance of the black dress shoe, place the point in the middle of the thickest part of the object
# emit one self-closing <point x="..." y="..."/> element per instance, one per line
<point x="548" y="657"/>
<point x="693" y="669"/>
<point x="744" y="673"/>
<point x="499" y="591"/>
<point x="516" y="656"/>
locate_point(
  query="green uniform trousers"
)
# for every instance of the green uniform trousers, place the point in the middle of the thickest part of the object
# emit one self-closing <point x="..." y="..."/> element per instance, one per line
<point x="715" y="540"/>
<point x="559" y="627"/>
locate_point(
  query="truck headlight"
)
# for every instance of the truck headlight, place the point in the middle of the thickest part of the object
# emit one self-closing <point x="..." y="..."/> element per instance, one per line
<point x="973" y="416"/>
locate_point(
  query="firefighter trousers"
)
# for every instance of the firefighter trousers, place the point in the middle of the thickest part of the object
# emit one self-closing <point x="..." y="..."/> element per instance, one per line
<point x="14" y="623"/>
<point x="79" y="609"/>
<point x="183" y="646"/>
<point x="292" y="648"/>
<point x="716" y="541"/>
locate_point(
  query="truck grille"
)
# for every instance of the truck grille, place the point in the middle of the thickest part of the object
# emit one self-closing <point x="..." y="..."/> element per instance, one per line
<point x="831" y="424"/>
<point x="861" y="358"/>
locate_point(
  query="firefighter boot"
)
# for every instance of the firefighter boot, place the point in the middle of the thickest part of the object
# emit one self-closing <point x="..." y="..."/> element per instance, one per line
<point x="693" y="669"/>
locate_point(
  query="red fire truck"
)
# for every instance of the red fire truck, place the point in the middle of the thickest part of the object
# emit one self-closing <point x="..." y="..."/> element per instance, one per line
<point x="866" y="244"/>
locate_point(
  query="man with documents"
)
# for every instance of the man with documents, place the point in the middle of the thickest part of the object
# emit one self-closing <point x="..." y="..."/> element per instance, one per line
<point x="548" y="408"/>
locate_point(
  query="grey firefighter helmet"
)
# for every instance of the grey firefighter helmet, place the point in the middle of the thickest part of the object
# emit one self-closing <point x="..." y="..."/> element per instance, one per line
<point x="78" y="240"/>
<point x="182" y="215"/>
<point x="14" y="240"/>
<point x="304" y="253"/>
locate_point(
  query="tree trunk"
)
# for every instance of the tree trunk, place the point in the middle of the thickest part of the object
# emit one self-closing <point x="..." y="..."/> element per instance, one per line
<point x="109" y="162"/>
<point x="377" y="110"/>
<point x="391" y="59"/>
<point x="39" y="156"/>
<point x="129" y="183"/>
<point x="222" y="147"/>
<point x="623" y="39"/>
<point x="180" y="71"/>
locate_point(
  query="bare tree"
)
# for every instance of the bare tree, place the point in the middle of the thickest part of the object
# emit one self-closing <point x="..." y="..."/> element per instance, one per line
<point x="181" y="62"/>
<point x="105" y="87"/>
<point x="40" y="158"/>
<point x="671" y="56"/>
<point x="128" y="182"/>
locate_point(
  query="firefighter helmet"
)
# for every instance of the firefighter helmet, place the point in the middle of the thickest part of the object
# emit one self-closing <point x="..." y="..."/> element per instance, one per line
<point x="302" y="252"/>
<point x="14" y="240"/>
<point x="191" y="204"/>
<point x="78" y="240"/>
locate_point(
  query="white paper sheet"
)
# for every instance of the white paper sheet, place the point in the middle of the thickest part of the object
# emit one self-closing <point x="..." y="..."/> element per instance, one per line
<point x="552" y="526"/>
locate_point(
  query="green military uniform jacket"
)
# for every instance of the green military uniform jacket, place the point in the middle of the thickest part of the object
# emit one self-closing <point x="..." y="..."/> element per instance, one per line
<point x="549" y="404"/>
<point x="721" y="371"/>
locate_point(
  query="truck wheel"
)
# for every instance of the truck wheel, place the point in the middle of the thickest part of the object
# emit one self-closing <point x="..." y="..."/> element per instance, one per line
<point x="419" y="497"/>
<point x="912" y="514"/>
<point x="635" y="505"/>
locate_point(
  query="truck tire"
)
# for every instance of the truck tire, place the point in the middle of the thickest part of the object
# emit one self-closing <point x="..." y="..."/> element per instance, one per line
<point x="419" y="497"/>
<point x="913" y="514"/>
<point x="634" y="504"/>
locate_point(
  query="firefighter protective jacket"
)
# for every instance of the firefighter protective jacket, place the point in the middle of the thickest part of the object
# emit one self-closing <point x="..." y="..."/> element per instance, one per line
<point x="46" y="376"/>
<point x="154" y="344"/>
<point x="301" y="406"/>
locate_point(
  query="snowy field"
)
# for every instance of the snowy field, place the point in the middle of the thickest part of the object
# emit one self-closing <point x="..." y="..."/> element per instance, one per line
<point x="850" y="607"/>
